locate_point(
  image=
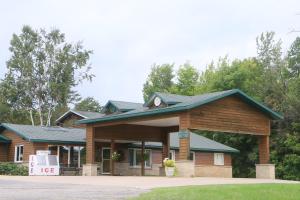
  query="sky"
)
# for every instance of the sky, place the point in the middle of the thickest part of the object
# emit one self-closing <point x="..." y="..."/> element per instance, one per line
<point x="128" y="37"/>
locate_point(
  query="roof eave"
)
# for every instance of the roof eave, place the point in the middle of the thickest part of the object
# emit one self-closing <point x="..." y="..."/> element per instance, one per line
<point x="67" y="113"/>
<point x="192" y="149"/>
<point x="15" y="131"/>
<point x="57" y="141"/>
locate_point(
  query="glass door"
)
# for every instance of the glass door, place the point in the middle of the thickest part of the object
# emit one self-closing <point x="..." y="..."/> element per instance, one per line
<point x="105" y="160"/>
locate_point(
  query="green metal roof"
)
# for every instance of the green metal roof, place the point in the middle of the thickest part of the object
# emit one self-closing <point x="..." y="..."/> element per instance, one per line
<point x="4" y="139"/>
<point x="124" y="105"/>
<point x="190" y="103"/>
<point x="169" y="99"/>
<point x="197" y="143"/>
<point x="83" y="114"/>
<point x="54" y="134"/>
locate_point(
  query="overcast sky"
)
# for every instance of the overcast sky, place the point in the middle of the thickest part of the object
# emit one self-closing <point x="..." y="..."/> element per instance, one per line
<point x="127" y="37"/>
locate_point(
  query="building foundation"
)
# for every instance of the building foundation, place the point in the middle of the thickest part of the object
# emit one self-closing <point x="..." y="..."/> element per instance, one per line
<point x="265" y="171"/>
<point x="89" y="170"/>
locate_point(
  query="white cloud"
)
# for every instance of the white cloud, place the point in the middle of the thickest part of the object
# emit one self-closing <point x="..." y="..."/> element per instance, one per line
<point x="129" y="36"/>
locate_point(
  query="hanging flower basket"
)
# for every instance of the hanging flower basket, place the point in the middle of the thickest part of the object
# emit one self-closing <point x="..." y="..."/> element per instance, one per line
<point x="116" y="156"/>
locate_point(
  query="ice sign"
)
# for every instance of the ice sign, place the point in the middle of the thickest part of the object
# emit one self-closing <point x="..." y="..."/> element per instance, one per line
<point x="43" y="164"/>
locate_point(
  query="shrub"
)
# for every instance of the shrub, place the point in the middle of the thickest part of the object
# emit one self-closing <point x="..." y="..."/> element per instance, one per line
<point x="13" y="169"/>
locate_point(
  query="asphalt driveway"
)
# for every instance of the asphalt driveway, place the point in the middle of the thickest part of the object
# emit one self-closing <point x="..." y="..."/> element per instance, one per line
<point x="100" y="187"/>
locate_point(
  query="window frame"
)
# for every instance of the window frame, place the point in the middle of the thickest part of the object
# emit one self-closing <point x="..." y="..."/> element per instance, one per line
<point x="194" y="155"/>
<point x="134" y="158"/>
<point x="219" y="162"/>
<point x="18" y="151"/>
<point x="173" y="153"/>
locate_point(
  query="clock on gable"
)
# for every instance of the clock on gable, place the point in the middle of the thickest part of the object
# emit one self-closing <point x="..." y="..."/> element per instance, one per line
<point x="157" y="101"/>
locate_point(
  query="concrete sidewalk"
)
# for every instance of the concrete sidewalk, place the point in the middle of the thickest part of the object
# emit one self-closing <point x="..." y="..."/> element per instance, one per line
<point x="139" y="182"/>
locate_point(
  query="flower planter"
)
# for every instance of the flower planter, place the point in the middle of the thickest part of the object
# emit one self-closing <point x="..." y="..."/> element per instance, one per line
<point x="170" y="171"/>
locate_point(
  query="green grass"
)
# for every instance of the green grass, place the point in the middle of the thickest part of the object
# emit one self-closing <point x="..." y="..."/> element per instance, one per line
<point x="226" y="192"/>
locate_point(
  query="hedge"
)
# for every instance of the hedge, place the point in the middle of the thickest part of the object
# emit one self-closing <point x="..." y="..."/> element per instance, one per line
<point x="13" y="169"/>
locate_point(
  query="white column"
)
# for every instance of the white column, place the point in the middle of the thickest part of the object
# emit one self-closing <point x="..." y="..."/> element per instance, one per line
<point x="79" y="156"/>
<point x="58" y="153"/>
<point x="69" y="155"/>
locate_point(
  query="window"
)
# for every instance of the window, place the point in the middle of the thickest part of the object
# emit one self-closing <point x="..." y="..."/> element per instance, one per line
<point x="135" y="157"/>
<point x="19" y="153"/>
<point x="172" y="154"/>
<point x="192" y="156"/>
<point x="219" y="158"/>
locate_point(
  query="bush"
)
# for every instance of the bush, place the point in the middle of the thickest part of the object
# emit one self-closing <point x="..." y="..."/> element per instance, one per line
<point x="13" y="169"/>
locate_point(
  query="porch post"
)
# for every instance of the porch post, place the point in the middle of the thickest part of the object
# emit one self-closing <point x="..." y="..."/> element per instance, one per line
<point x="143" y="159"/>
<point x="185" y="167"/>
<point x="72" y="156"/>
<point x="264" y="169"/>
<point x="90" y="168"/>
<point x="58" y="154"/>
<point x="69" y="155"/>
<point x="79" y="156"/>
<point x="264" y="149"/>
<point x="184" y="136"/>
<point x="112" y="163"/>
<point x="90" y="145"/>
<point x="166" y="146"/>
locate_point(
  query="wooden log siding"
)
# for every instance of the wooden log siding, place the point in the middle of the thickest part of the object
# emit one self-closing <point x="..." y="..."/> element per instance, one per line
<point x="232" y="115"/>
<point x="28" y="149"/>
<point x="3" y="152"/>
<point x="130" y="133"/>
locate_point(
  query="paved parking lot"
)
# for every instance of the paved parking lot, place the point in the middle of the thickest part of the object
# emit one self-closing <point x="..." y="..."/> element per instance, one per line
<point x="100" y="187"/>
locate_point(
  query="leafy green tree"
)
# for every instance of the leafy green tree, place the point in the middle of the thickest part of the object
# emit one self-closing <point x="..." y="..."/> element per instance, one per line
<point x="294" y="58"/>
<point x="160" y="79"/>
<point x="88" y="104"/>
<point x="225" y="75"/>
<point x="43" y="71"/>
<point x="188" y="80"/>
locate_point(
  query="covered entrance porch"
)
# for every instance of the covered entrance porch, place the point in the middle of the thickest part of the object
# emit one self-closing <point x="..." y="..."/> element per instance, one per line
<point x="234" y="112"/>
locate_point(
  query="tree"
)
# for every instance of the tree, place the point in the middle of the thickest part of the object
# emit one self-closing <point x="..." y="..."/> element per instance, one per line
<point x="160" y="79"/>
<point x="294" y="58"/>
<point x="188" y="80"/>
<point x="225" y="75"/>
<point x="43" y="71"/>
<point x="268" y="50"/>
<point x="88" y="104"/>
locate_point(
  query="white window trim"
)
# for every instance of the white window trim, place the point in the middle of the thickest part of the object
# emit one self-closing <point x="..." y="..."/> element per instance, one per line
<point x="194" y="155"/>
<point x="219" y="162"/>
<point x="16" y="151"/>
<point x="134" y="158"/>
<point x="173" y="153"/>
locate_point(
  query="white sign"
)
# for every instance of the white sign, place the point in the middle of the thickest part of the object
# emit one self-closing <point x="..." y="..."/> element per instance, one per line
<point x="43" y="152"/>
<point x="43" y="165"/>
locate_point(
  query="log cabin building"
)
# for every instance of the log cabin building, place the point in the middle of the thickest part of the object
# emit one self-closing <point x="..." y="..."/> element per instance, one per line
<point x="143" y="135"/>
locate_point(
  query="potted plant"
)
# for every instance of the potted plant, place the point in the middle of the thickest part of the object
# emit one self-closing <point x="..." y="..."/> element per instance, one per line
<point x="116" y="156"/>
<point x="169" y="167"/>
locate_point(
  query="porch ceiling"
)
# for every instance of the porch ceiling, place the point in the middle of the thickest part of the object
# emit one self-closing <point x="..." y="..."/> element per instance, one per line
<point x="165" y="122"/>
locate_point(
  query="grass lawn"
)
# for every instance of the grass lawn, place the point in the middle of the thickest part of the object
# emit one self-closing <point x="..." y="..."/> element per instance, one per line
<point x="227" y="192"/>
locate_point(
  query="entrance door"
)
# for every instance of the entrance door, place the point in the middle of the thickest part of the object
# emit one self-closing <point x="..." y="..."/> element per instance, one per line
<point x="105" y="160"/>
